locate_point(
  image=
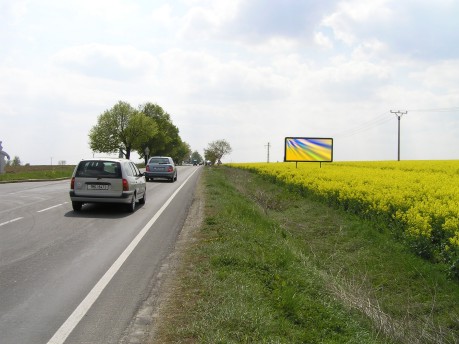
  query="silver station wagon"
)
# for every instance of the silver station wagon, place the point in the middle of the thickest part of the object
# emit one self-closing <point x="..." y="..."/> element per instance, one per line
<point x="107" y="181"/>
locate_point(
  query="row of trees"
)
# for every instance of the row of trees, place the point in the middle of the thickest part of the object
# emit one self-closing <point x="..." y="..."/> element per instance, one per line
<point x="124" y="129"/>
<point x="214" y="152"/>
<point x="149" y="131"/>
<point x="15" y="162"/>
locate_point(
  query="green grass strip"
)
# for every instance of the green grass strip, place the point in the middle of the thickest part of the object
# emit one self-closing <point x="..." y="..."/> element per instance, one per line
<point x="23" y="173"/>
<point x="249" y="280"/>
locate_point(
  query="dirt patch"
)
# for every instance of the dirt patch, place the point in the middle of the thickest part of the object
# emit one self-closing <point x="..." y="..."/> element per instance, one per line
<point x="145" y="325"/>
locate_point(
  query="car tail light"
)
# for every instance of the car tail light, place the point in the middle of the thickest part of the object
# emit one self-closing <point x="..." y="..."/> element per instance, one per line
<point x="72" y="183"/>
<point x="147" y="168"/>
<point x="170" y="169"/>
<point x="125" y="185"/>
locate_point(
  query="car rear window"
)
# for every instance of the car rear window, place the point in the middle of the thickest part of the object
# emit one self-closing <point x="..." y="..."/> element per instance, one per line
<point x="159" y="161"/>
<point x="99" y="169"/>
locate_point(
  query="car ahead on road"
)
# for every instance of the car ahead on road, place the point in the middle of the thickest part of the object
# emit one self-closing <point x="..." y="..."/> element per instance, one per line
<point x="107" y="181"/>
<point x="161" y="167"/>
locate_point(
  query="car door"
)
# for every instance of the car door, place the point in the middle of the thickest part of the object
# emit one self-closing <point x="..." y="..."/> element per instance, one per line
<point x="142" y="180"/>
<point x="139" y="180"/>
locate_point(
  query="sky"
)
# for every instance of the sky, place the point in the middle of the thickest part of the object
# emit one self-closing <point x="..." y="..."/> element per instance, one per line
<point x="251" y="72"/>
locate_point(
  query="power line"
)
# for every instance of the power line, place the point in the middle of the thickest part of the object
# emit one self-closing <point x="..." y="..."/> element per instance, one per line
<point x="364" y="126"/>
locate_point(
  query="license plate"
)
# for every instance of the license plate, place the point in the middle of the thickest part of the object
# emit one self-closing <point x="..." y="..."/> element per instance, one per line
<point x="98" y="187"/>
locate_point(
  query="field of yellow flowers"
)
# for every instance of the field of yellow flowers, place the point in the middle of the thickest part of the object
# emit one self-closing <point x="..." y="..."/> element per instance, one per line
<point x="419" y="200"/>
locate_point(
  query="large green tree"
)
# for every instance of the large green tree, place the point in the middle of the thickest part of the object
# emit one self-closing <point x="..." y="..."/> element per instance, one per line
<point x="181" y="152"/>
<point x="216" y="150"/>
<point x="167" y="141"/>
<point x="163" y="143"/>
<point x="122" y="129"/>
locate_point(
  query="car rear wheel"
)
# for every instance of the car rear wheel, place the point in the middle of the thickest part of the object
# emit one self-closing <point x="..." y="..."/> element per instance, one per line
<point x="131" y="206"/>
<point x="144" y="198"/>
<point x="77" y="206"/>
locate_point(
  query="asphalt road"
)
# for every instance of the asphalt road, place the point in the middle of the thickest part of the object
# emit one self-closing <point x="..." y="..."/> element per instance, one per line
<point x="81" y="277"/>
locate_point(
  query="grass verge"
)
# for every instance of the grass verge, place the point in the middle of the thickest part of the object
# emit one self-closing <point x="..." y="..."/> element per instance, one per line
<point x="270" y="266"/>
<point x="42" y="172"/>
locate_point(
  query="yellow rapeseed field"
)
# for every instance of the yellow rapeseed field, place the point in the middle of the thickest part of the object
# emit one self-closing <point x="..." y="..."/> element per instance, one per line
<point x="421" y="198"/>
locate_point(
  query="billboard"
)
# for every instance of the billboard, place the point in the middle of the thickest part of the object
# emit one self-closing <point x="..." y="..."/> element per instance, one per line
<point x="308" y="149"/>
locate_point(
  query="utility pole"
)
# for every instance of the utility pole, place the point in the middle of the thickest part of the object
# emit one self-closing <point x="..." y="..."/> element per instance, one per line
<point x="399" y="115"/>
<point x="268" y="145"/>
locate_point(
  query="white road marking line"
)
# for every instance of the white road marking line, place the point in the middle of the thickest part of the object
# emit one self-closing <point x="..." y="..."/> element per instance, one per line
<point x="10" y="221"/>
<point x="74" y="319"/>
<point x="54" y="206"/>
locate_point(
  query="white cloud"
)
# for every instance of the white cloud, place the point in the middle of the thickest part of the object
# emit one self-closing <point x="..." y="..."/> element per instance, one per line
<point x="13" y="11"/>
<point x="164" y="16"/>
<point x="322" y="40"/>
<point x="206" y="20"/>
<point x="109" y="10"/>
<point x="443" y="75"/>
<point x="205" y="78"/>
<point x="260" y="20"/>
<point x="256" y="22"/>
<point x="105" y="61"/>
<point x="362" y="11"/>
<point x="412" y="28"/>
<point x="349" y="16"/>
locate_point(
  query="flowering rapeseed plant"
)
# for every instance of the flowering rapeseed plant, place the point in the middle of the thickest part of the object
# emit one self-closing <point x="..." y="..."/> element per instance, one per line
<point x="419" y="197"/>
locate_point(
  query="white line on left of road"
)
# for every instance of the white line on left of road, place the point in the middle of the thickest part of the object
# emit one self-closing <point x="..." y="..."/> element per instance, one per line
<point x="13" y="220"/>
<point x="54" y="206"/>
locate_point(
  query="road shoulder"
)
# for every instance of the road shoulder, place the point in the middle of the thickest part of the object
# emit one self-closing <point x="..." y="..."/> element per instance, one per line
<point x="144" y="326"/>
